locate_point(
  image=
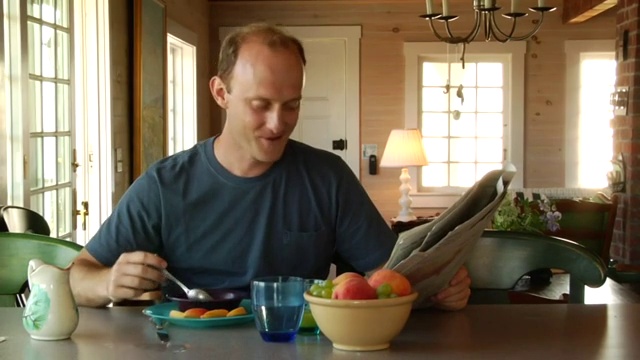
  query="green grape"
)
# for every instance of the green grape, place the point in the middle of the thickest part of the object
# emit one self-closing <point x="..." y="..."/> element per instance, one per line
<point x="384" y="290"/>
<point x="317" y="292"/>
<point x="393" y="295"/>
<point x="383" y="296"/>
<point x="314" y="288"/>
<point x="328" y="284"/>
<point x="326" y="293"/>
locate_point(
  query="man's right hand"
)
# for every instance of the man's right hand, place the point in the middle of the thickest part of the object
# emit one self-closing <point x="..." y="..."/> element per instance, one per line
<point x="132" y="275"/>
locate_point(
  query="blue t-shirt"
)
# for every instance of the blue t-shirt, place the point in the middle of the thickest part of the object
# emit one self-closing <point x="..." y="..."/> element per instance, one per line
<point x="217" y="230"/>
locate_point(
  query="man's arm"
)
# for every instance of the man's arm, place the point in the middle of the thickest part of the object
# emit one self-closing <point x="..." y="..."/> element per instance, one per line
<point x="133" y="274"/>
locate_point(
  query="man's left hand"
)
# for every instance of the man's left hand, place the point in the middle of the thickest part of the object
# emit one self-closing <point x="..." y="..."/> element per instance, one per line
<point x="456" y="296"/>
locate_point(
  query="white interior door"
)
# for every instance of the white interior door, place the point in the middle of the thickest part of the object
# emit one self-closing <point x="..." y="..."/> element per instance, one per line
<point x="331" y="97"/>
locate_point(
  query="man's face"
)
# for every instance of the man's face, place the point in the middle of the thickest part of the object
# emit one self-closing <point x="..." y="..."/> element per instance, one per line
<point x="264" y="100"/>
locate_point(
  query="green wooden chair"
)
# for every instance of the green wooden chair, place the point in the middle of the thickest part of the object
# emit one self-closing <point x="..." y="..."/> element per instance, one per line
<point x="500" y="258"/>
<point x="16" y="249"/>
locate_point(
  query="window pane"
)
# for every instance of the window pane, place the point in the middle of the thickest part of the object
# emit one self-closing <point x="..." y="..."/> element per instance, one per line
<point x="435" y="175"/>
<point x="465" y="126"/>
<point x="490" y="125"/>
<point x="36" y="203"/>
<point x="35" y="66"/>
<point x="434" y="74"/>
<point x="435" y="124"/>
<point x="62" y="55"/>
<point x="49" y="106"/>
<point x="597" y="72"/>
<point x="489" y="100"/>
<point x="433" y="99"/>
<point x="484" y="168"/>
<point x="50" y="211"/>
<point x="466" y="76"/>
<point x="35" y="106"/>
<point x="490" y="150"/>
<point x="490" y="74"/>
<point x="48" y="10"/>
<point x="49" y="160"/>
<point x="64" y="204"/>
<point x="463" y="175"/>
<point x="463" y="150"/>
<point x="64" y="159"/>
<point x="469" y="103"/>
<point x="62" y="14"/>
<point x="63" y="100"/>
<point x="48" y="52"/>
<point x="33" y="8"/>
<point x="35" y="163"/>
<point x="437" y="149"/>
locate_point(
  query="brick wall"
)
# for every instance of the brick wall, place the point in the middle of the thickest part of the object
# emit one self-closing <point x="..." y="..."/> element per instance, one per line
<point x="626" y="241"/>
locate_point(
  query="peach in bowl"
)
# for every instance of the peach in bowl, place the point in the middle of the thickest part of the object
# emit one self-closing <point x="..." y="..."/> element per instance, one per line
<point x="361" y="325"/>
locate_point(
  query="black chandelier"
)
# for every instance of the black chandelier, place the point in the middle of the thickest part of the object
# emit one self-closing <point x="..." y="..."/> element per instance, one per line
<point x="485" y="19"/>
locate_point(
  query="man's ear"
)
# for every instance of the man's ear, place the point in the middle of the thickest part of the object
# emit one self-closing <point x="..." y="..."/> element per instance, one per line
<point x="218" y="91"/>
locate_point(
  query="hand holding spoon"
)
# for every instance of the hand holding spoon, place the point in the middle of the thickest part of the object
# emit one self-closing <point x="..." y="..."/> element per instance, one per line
<point x="192" y="294"/>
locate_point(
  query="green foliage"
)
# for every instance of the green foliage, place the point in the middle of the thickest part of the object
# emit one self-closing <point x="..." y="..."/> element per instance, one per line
<point x="526" y="216"/>
<point x="37" y="310"/>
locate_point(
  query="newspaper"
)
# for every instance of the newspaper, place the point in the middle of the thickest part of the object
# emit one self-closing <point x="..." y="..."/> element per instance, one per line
<point x="429" y="255"/>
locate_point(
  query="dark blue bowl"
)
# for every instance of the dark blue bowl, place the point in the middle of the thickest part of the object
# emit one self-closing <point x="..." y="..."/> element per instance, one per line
<point x="222" y="299"/>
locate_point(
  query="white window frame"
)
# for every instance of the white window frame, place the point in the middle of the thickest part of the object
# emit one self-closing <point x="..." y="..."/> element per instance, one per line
<point x="573" y="50"/>
<point x="514" y="118"/>
<point x="182" y="128"/>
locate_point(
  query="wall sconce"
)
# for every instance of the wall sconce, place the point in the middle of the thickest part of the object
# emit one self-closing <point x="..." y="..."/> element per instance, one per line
<point x="619" y="99"/>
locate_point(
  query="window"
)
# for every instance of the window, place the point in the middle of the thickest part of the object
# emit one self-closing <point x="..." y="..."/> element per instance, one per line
<point x="181" y="89"/>
<point x="591" y="76"/>
<point x="472" y="126"/>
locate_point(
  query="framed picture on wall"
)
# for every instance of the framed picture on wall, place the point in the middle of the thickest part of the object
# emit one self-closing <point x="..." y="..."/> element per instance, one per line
<point x="149" y="93"/>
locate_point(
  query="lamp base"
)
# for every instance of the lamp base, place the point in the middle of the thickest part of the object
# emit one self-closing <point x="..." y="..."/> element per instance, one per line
<point x="405" y="214"/>
<point x="404" y="218"/>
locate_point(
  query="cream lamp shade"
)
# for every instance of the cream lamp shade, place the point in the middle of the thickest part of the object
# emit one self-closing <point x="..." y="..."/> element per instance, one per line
<point x="404" y="148"/>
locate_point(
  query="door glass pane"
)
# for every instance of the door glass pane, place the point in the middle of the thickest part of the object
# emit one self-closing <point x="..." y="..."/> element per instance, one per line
<point x="437" y="149"/>
<point x="35" y="163"/>
<point x="48" y="52"/>
<point x="62" y="13"/>
<point x="466" y="76"/>
<point x="434" y="74"/>
<point x="36" y="203"/>
<point x="463" y="175"/>
<point x="50" y="211"/>
<point x="469" y="103"/>
<point x="48" y="10"/>
<point x="34" y="44"/>
<point x="484" y="168"/>
<point x="490" y="74"/>
<point x="64" y="160"/>
<point x="33" y="8"/>
<point x="465" y="126"/>
<point x="490" y="125"/>
<point x="490" y="150"/>
<point x="62" y="107"/>
<point x="35" y="106"/>
<point x="64" y="205"/>
<point x="49" y="160"/>
<point x="435" y="124"/>
<point x="62" y="53"/>
<point x="463" y="150"/>
<point x="435" y="175"/>
<point x="434" y="100"/>
<point x="489" y="100"/>
<point x="48" y="106"/>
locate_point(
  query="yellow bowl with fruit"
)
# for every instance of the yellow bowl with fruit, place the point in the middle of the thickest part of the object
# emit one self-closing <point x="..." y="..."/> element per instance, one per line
<point x="356" y="317"/>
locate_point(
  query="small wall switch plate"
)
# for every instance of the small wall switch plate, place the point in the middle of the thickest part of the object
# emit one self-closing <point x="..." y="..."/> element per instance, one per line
<point x="368" y="150"/>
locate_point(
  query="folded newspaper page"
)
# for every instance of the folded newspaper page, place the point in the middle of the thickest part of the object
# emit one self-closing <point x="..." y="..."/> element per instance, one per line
<point x="430" y="254"/>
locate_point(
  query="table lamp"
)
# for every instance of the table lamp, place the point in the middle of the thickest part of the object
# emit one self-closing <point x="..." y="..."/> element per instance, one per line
<point x="404" y="148"/>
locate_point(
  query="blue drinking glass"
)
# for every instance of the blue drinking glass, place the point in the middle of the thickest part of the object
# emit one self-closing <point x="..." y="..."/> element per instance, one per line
<point x="278" y="305"/>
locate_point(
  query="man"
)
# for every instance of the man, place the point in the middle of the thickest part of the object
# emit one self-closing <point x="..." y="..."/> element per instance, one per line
<point x="249" y="202"/>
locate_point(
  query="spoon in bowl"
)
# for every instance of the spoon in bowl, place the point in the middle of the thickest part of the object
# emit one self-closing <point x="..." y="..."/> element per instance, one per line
<point x="192" y="294"/>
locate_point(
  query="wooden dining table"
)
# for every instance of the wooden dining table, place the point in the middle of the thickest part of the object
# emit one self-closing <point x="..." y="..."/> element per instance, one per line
<point x="549" y="331"/>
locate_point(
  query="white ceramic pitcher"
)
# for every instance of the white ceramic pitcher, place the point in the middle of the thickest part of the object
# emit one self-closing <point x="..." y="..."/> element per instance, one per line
<point x="51" y="312"/>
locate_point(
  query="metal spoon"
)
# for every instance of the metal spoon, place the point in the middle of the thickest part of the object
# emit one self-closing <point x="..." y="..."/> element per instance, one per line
<point x="192" y="294"/>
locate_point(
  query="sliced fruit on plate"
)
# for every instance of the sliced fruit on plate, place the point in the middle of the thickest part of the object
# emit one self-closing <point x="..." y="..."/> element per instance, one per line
<point x="194" y="313"/>
<point x="176" y="314"/>
<point x="237" y="312"/>
<point x="215" y="313"/>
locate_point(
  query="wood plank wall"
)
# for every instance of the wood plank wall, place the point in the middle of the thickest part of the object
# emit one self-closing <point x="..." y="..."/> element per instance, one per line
<point x="386" y="25"/>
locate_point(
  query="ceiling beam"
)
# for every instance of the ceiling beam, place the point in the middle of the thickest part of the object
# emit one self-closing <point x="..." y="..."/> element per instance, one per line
<point x="576" y="11"/>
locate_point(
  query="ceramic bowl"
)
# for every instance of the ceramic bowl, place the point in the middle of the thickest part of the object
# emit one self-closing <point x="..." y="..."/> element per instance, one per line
<point x="361" y="325"/>
<point x="222" y="299"/>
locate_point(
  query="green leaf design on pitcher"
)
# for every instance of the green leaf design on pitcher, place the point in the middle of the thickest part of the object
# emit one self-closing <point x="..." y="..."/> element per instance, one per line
<point x="37" y="310"/>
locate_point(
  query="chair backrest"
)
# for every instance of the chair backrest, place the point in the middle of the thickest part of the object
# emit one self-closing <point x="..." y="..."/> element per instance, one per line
<point x="588" y="223"/>
<point x="16" y="249"/>
<point x="500" y="258"/>
<point x="23" y="220"/>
